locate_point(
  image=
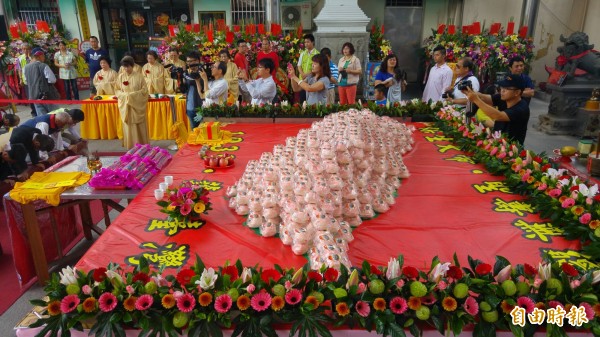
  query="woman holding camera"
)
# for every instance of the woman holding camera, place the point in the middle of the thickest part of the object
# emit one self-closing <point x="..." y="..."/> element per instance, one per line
<point x="350" y="70"/>
<point x="106" y="78"/>
<point x="132" y="93"/>
<point x="157" y="77"/>
<point x="391" y="76"/>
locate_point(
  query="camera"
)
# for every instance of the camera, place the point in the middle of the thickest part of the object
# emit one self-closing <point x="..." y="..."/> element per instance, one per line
<point x="448" y="94"/>
<point x="464" y="84"/>
<point x="176" y="72"/>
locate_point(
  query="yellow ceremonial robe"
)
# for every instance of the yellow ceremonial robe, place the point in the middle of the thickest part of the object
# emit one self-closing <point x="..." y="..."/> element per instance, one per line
<point x="132" y="93"/>
<point x="231" y="76"/>
<point x="178" y="64"/>
<point x="104" y="81"/>
<point x="157" y="79"/>
<point x="136" y="69"/>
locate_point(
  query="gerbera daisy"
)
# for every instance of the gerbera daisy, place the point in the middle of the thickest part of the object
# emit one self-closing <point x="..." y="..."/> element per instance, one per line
<point x="342" y="309"/>
<point x="232" y="271"/>
<point x="69" y="303"/>
<point x="129" y="303"/>
<point x="168" y="301"/>
<point x="541" y="306"/>
<point x="312" y="300"/>
<point x="243" y="302"/>
<point x="107" y="302"/>
<point x="144" y="302"/>
<point x="526" y="303"/>
<point x="314" y="275"/>
<point x="261" y="301"/>
<point x="449" y="303"/>
<point x="54" y="308"/>
<point x="331" y="275"/>
<point x="379" y="304"/>
<point x="410" y="272"/>
<point x="554" y="304"/>
<point x="414" y="303"/>
<point x="142" y="277"/>
<point x="185" y="276"/>
<point x="596" y="309"/>
<point x="589" y="311"/>
<point x="506" y="307"/>
<point x="293" y="297"/>
<point x="268" y="274"/>
<point x="205" y="299"/>
<point x="471" y="306"/>
<point x="362" y="308"/>
<point x="89" y="305"/>
<point x="454" y="272"/>
<point x="186" y="303"/>
<point x="277" y="303"/>
<point x="199" y="207"/>
<point x="398" y="305"/>
<point x="223" y="303"/>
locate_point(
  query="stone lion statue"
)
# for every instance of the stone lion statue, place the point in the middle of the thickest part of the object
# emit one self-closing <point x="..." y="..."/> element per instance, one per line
<point x="578" y="58"/>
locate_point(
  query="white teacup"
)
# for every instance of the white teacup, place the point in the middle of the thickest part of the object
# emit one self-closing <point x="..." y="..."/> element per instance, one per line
<point x="159" y="194"/>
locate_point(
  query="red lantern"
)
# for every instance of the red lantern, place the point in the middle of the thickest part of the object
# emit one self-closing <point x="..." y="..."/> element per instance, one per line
<point x="495" y="28"/>
<point x="441" y="29"/>
<point x="510" y="29"/>
<point x="466" y="29"/>
<point x="452" y="29"/>
<point x="476" y="28"/>
<point x="523" y="32"/>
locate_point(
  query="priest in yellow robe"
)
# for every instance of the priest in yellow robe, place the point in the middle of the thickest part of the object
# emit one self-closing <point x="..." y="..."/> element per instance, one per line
<point x="157" y="77"/>
<point x="106" y="78"/>
<point x="231" y="76"/>
<point x="132" y="94"/>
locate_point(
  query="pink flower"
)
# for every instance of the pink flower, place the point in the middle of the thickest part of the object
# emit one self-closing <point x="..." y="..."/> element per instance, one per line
<point x="555" y="193"/>
<point x="494" y="150"/>
<point x="288" y="285"/>
<point x="293" y="297"/>
<point x="589" y="311"/>
<point x="361" y="288"/>
<point x="398" y="305"/>
<point x="526" y="303"/>
<point x="69" y="303"/>
<point x="400" y="284"/>
<point x="501" y="155"/>
<point x="144" y="302"/>
<point x="442" y="285"/>
<point x="542" y="187"/>
<point x="554" y="304"/>
<point x="186" y="208"/>
<point x="363" y="308"/>
<point x="186" y="303"/>
<point x="575" y="283"/>
<point x="471" y="306"/>
<point x="130" y="290"/>
<point x="177" y="294"/>
<point x="86" y="289"/>
<point x="250" y="288"/>
<point x="107" y="302"/>
<point x="537" y="282"/>
<point x="261" y="301"/>
<point x="585" y="218"/>
<point x="569" y="202"/>
<point x="223" y="303"/>
<point x="589" y="201"/>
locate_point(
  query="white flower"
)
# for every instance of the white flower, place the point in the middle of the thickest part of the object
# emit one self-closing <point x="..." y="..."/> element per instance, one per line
<point x="478" y="129"/>
<point x="497" y="135"/>
<point x="415" y="101"/>
<point x="596" y="277"/>
<point x="246" y="275"/>
<point x="285" y="103"/>
<point x="207" y="279"/>
<point x="68" y="276"/>
<point x="393" y="269"/>
<point x="439" y="271"/>
<point x="553" y="173"/>
<point x="589" y="192"/>
<point x="112" y="275"/>
<point x="504" y="274"/>
<point x="545" y="271"/>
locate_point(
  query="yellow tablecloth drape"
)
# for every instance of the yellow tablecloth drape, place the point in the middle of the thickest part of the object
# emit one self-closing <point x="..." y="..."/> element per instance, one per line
<point x="102" y="121"/>
<point x="47" y="190"/>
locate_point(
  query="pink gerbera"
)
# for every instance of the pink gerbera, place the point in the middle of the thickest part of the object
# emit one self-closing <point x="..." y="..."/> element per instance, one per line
<point x="107" y="302"/>
<point x="186" y="303"/>
<point x="223" y="304"/>
<point x="363" y="308"/>
<point x="293" y="297"/>
<point x="69" y="303"/>
<point x="554" y="304"/>
<point x="589" y="311"/>
<point x="471" y="306"/>
<point x="526" y="303"/>
<point x="261" y="301"/>
<point x="144" y="302"/>
<point x="186" y="208"/>
<point x="398" y="305"/>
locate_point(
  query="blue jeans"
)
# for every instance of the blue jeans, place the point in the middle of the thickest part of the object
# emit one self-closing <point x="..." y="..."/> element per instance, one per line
<point x="191" y="115"/>
<point x="71" y="84"/>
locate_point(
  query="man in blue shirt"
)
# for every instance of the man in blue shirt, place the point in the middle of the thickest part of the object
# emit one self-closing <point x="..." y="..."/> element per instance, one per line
<point x="516" y="66"/>
<point x="335" y="73"/>
<point x="92" y="58"/>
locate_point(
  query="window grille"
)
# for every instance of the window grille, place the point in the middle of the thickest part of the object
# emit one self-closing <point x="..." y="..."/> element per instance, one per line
<point x="248" y="11"/>
<point x="32" y="10"/>
<point x="404" y="3"/>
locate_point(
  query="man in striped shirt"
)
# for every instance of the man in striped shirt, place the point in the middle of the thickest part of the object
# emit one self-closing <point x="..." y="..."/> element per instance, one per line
<point x="334" y="76"/>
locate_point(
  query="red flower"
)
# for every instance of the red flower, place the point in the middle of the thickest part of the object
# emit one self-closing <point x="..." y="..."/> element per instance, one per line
<point x="100" y="77"/>
<point x="147" y="71"/>
<point x="574" y="188"/>
<point x="126" y="83"/>
<point x="569" y="269"/>
<point x="375" y="270"/>
<point x="232" y="271"/>
<point x="483" y="269"/>
<point x="537" y="159"/>
<point x="597" y="197"/>
<point x="316" y="276"/>
<point x="562" y="60"/>
<point x="270" y="274"/>
<point x="454" y="272"/>
<point x="523" y="154"/>
<point x="331" y="275"/>
<point x="143" y="277"/>
<point x="185" y="276"/>
<point x="410" y="272"/>
<point x="529" y="270"/>
<point x="99" y="274"/>
<point x="546" y="167"/>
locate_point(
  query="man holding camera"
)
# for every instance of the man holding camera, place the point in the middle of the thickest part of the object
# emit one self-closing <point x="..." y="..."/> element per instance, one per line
<point x="215" y="91"/>
<point x="192" y="87"/>
<point x="512" y="114"/>
<point x="464" y="79"/>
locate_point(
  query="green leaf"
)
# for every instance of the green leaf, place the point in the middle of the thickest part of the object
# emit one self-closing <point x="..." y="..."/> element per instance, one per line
<point x="438" y="322"/>
<point x="516" y="330"/>
<point x="501" y="263"/>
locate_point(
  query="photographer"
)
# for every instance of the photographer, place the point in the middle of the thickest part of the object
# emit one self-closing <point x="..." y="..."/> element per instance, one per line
<point x="215" y="91"/>
<point x="464" y="78"/>
<point x="263" y="90"/>
<point x="191" y="86"/>
<point x="175" y="66"/>
<point x="512" y="114"/>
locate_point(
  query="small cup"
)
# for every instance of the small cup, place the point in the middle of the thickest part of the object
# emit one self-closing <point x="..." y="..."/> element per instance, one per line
<point x="159" y="194"/>
<point x="169" y="180"/>
<point x="163" y="186"/>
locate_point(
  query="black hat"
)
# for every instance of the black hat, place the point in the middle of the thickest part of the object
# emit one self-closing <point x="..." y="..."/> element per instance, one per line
<point x="512" y="81"/>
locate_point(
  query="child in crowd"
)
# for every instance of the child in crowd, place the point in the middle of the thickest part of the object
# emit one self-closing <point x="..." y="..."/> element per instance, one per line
<point x="380" y="98"/>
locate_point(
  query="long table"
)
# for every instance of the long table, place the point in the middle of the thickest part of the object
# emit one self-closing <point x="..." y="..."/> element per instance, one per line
<point x="103" y="120"/>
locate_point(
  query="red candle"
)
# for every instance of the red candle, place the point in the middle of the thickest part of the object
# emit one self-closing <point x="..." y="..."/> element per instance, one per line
<point x="476" y="28"/>
<point x="14" y="31"/>
<point x="261" y="29"/>
<point x="172" y="30"/>
<point x="466" y="29"/>
<point x="210" y="35"/>
<point x="196" y="28"/>
<point x="523" y="32"/>
<point x="495" y="28"/>
<point x="441" y="29"/>
<point x="452" y="29"/>
<point x="510" y="29"/>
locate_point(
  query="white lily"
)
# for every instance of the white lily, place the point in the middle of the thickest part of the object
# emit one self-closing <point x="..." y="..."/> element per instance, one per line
<point x="596" y="277"/>
<point x="545" y="271"/>
<point x="504" y="274"/>
<point x="553" y="173"/>
<point x="497" y="135"/>
<point x="478" y="129"/>
<point x="113" y="275"/>
<point x="207" y="279"/>
<point x="588" y="192"/>
<point x="439" y="271"/>
<point x="68" y="276"/>
<point x="393" y="269"/>
<point x="246" y="275"/>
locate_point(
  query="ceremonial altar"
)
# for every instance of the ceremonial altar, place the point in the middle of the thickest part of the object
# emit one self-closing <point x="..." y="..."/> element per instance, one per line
<point x="103" y="121"/>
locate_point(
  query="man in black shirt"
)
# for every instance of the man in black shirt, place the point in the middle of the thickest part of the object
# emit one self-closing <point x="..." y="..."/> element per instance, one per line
<point x="512" y="115"/>
<point x="33" y="140"/>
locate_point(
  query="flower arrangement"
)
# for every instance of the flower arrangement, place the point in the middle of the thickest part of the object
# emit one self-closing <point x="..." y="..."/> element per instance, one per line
<point x="490" y="50"/>
<point x="566" y="200"/>
<point x="201" y="300"/>
<point x="186" y="202"/>
<point x="379" y="47"/>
